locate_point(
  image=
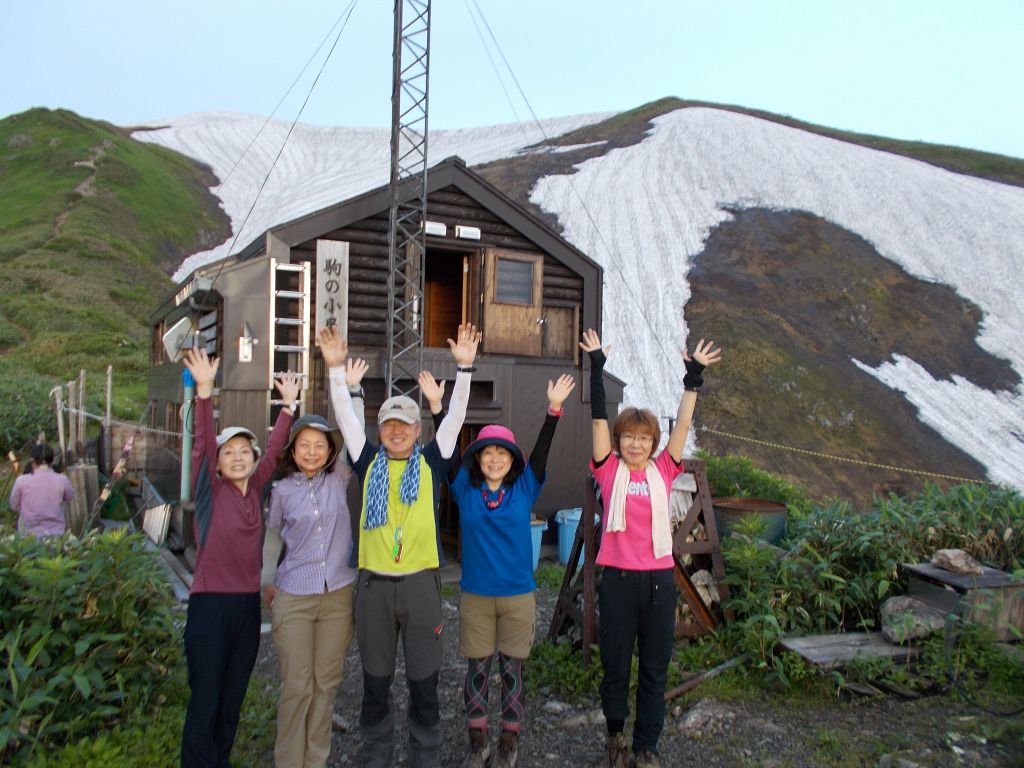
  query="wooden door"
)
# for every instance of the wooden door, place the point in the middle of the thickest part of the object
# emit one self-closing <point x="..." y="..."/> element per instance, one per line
<point x="561" y="332"/>
<point x="512" y="302"/>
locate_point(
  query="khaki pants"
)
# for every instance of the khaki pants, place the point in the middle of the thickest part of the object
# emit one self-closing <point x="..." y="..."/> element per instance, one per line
<point x="311" y="637"/>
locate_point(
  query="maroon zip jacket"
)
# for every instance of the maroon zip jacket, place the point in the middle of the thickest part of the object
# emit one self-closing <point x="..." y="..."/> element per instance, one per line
<point x="228" y="525"/>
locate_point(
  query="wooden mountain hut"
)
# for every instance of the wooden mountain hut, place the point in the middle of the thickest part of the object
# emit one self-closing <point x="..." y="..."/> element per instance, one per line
<point x="488" y="261"/>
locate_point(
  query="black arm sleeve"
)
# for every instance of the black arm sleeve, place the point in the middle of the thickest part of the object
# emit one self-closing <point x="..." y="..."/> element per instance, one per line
<point x="598" y="407"/>
<point x="539" y="454"/>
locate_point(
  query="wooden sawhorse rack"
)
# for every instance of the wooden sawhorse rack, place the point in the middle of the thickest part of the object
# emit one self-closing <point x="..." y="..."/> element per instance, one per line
<point x="576" y="608"/>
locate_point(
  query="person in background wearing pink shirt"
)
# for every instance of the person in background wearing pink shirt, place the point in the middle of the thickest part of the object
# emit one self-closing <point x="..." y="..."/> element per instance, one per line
<point x="38" y="497"/>
<point x="638" y="591"/>
<point x="310" y="591"/>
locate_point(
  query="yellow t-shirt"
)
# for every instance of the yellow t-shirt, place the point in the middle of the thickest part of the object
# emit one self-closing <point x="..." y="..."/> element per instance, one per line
<point x="416" y="520"/>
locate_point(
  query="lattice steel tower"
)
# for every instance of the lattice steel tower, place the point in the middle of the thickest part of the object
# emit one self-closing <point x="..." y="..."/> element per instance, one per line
<point x="406" y="236"/>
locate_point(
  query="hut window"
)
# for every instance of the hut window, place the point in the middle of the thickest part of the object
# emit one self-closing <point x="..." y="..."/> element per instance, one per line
<point x="514" y="282"/>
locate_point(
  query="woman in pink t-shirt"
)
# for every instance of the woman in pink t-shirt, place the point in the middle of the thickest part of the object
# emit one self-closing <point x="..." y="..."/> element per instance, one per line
<point x="638" y="593"/>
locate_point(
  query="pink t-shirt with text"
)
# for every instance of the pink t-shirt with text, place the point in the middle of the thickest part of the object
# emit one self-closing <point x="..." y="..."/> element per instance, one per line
<point x="632" y="549"/>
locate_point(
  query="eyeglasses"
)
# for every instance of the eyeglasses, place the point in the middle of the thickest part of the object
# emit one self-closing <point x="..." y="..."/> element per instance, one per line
<point x="629" y="437"/>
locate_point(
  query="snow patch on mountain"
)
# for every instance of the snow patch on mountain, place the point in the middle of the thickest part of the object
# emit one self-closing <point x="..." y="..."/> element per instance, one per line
<point x="318" y="166"/>
<point x="645" y="211"/>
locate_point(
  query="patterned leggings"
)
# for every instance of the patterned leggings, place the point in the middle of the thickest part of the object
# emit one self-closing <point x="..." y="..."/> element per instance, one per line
<point x="513" y="692"/>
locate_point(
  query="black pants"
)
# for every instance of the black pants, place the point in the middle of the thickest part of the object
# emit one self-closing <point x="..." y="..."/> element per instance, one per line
<point x="222" y="638"/>
<point x="637" y="606"/>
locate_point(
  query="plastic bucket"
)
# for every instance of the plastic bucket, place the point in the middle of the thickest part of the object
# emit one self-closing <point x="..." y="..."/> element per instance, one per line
<point x="568" y="520"/>
<point x="729" y="510"/>
<point x="537" y="528"/>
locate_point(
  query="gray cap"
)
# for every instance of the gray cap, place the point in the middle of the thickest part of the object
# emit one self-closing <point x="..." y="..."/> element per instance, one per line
<point x="309" y="421"/>
<point x="399" y="407"/>
<point x="229" y="432"/>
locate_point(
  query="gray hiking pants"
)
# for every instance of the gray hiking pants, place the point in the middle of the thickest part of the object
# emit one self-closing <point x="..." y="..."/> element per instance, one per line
<point x="389" y="608"/>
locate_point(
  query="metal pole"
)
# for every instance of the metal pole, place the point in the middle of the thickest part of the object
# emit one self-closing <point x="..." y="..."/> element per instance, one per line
<point x="408" y="195"/>
<point x="186" y="436"/>
<point x="107" y="439"/>
<point x="72" y="419"/>
<point x="81" y="412"/>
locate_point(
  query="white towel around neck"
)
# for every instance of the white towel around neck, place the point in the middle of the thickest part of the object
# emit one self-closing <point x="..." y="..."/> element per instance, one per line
<point x="661" y="529"/>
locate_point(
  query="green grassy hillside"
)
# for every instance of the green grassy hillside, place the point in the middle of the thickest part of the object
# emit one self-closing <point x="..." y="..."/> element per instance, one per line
<point x="91" y="224"/>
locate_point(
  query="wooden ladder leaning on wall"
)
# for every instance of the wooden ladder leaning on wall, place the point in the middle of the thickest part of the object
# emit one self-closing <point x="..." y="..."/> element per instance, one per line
<point x="577" y="582"/>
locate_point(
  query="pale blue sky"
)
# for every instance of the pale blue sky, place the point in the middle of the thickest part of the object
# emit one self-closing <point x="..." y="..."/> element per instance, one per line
<point x="943" y="71"/>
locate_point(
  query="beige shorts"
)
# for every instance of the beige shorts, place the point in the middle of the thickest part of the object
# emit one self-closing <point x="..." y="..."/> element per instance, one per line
<point x="505" y="624"/>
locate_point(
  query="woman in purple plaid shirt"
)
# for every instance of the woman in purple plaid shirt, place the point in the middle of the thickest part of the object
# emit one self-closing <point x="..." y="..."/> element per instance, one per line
<point x="311" y="596"/>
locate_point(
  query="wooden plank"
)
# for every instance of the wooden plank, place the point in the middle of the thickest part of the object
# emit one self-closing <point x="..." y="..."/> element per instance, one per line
<point x="178" y="576"/>
<point x="560" y="332"/>
<point x="992" y="598"/>
<point x="989" y="577"/>
<point x="85" y="484"/>
<point x="834" y="651"/>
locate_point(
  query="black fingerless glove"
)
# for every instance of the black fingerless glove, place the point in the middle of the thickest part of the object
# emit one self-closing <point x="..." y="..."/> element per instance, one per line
<point x="694" y="379"/>
<point x="598" y="407"/>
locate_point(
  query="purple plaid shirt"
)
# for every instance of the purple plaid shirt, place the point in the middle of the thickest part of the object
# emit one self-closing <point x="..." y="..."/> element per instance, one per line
<point x="313" y="516"/>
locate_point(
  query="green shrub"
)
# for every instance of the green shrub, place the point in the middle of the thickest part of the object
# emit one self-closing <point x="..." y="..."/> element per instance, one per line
<point x="26" y="408"/>
<point x="559" y="668"/>
<point x="89" y="637"/>
<point x="737" y="476"/>
<point x="157" y="744"/>
<point x="841" y="565"/>
<point x="549" y="576"/>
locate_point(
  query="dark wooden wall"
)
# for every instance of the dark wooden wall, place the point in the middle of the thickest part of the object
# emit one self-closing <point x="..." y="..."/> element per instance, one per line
<point x="368" y="260"/>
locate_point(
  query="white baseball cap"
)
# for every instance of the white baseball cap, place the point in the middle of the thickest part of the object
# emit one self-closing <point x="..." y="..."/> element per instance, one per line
<point x="229" y="432"/>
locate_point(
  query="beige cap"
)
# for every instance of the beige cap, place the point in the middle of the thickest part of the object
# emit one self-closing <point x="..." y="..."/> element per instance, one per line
<point x="399" y="407"/>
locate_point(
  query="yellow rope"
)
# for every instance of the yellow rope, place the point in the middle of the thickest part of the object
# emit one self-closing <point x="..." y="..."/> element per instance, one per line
<point x="831" y="457"/>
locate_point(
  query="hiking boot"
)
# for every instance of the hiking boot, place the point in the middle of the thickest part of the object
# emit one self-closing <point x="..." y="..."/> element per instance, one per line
<point x="479" y="750"/>
<point x="618" y="752"/>
<point x="647" y="759"/>
<point x="507" y="745"/>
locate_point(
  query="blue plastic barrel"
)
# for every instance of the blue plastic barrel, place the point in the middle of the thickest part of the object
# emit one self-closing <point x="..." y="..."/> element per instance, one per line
<point x="568" y="520"/>
<point x="537" y="528"/>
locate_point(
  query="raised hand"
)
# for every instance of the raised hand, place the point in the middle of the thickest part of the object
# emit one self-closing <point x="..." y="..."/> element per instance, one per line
<point x="431" y="389"/>
<point x="704" y="353"/>
<point x="464" y="350"/>
<point x="355" y="370"/>
<point x="559" y="390"/>
<point x="592" y="342"/>
<point x="203" y="370"/>
<point x="288" y="385"/>
<point x="332" y="346"/>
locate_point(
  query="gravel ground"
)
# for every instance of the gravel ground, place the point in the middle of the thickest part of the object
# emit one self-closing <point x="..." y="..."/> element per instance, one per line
<point x="764" y="732"/>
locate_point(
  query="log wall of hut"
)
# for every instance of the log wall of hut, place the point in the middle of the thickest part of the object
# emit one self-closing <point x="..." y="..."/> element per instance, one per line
<point x="368" y="261"/>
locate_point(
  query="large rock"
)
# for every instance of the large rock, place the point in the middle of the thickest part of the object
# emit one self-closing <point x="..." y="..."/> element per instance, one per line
<point x="907" y="618"/>
<point x="955" y="560"/>
<point x="705" y="715"/>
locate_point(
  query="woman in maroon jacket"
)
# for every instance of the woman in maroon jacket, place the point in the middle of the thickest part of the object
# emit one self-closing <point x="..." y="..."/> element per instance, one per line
<point x="222" y="631"/>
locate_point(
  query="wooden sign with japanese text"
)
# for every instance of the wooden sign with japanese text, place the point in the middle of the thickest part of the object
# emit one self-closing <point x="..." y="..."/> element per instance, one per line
<point x="332" y="285"/>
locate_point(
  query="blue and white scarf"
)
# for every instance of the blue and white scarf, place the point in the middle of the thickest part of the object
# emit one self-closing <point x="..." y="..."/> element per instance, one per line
<point x="377" y="488"/>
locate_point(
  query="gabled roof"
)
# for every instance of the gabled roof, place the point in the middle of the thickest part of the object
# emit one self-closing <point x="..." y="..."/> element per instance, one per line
<point x="451" y="172"/>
